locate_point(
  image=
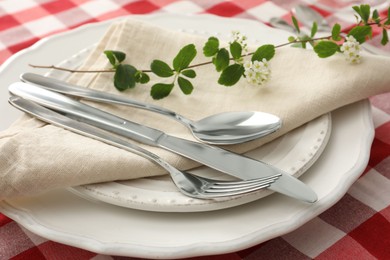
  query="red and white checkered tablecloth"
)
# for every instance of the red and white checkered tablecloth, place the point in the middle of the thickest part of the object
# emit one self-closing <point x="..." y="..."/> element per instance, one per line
<point x="357" y="227"/>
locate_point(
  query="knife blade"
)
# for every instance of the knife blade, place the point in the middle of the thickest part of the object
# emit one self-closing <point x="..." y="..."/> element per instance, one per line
<point x="222" y="160"/>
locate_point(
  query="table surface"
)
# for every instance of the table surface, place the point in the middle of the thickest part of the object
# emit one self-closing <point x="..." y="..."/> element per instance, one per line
<point x="357" y="227"/>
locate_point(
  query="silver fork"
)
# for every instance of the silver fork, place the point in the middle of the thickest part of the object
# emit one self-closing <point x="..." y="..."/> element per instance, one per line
<point x="189" y="184"/>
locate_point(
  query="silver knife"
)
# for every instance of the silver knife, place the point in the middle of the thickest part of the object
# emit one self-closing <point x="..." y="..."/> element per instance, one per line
<point x="230" y="163"/>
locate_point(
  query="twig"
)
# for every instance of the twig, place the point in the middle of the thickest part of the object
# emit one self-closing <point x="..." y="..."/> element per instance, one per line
<point x="70" y="70"/>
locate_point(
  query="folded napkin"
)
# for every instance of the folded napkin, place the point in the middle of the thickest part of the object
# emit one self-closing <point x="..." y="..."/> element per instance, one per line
<point x="36" y="157"/>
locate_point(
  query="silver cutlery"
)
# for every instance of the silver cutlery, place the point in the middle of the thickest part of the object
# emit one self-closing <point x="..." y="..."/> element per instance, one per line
<point x="308" y="16"/>
<point x="222" y="160"/>
<point x="224" y="128"/>
<point x="189" y="184"/>
<point x="280" y="23"/>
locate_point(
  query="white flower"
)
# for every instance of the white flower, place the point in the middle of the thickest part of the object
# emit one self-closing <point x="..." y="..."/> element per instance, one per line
<point x="248" y="65"/>
<point x="351" y="49"/>
<point x="258" y="72"/>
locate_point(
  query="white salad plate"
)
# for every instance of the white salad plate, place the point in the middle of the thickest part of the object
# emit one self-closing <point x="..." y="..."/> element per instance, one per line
<point x="108" y="229"/>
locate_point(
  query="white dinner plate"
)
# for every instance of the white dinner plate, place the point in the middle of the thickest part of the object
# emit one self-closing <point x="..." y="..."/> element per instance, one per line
<point x="103" y="228"/>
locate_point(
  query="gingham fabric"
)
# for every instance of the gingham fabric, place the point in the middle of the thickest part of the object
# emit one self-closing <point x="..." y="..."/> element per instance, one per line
<point x="357" y="227"/>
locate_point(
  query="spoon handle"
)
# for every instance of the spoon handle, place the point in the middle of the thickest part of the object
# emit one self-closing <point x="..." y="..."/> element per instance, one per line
<point x="95" y="95"/>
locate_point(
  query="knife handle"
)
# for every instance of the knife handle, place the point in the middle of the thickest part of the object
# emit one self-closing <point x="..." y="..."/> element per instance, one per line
<point x="86" y="113"/>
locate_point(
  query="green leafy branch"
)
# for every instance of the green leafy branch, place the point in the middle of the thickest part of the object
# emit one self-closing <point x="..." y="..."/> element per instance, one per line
<point x="229" y="60"/>
<point x="365" y="18"/>
<point x="328" y="46"/>
<point x="180" y="72"/>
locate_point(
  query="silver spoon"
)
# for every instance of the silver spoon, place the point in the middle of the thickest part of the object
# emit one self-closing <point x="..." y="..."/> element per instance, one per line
<point x="223" y="128"/>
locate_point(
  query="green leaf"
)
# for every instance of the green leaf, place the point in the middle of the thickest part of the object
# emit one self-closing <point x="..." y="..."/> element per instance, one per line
<point x="376" y="17"/>
<point x="110" y="57"/>
<point x="231" y="75"/>
<point x="124" y="77"/>
<point x="357" y="10"/>
<point x="184" y="57"/>
<point x="161" y="90"/>
<point x="326" y="49"/>
<point x="266" y="51"/>
<point x="189" y="73"/>
<point x="361" y="32"/>
<point x="142" y="77"/>
<point x="295" y="23"/>
<point x="388" y="17"/>
<point x="291" y="39"/>
<point x="221" y="60"/>
<point x="211" y="47"/>
<point x="336" y="32"/>
<point x="236" y="50"/>
<point x="365" y="12"/>
<point x="314" y="29"/>
<point x="185" y="85"/>
<point x="388" y="13"/>
<point x="120" y="56"/>
<point x="357" y="18"/>
<point x="385" y="37"/>
<point x="115" y="56"/>
<point x="161" y="69"/>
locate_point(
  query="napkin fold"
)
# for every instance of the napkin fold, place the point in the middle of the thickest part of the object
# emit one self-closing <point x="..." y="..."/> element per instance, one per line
<point x="36" y="157"/>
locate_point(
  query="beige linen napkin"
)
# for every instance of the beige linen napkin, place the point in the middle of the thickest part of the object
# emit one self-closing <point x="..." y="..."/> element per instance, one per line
<point x="35" y="157"/>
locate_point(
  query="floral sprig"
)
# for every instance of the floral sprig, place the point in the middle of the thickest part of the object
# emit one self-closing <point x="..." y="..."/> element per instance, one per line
<point x="233" y="62"/>
<point x="257" y="72"/>
<point x="351" y="49"/>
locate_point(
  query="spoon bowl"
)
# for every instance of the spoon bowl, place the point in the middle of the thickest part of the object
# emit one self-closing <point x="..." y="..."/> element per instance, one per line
<point x="235" y="127"/>
<point x="224" y="128"/>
